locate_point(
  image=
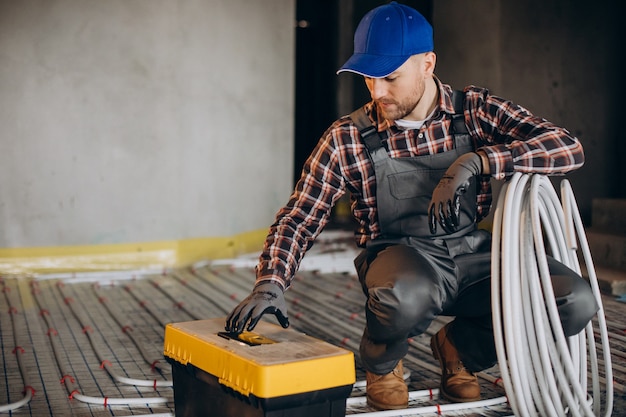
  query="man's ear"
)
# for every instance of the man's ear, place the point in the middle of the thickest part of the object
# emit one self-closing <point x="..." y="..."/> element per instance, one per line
<point x="429" y="61"/>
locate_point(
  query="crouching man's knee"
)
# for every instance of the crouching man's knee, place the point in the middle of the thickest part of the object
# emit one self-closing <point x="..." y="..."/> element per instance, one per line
<point x="574" y="299"/>
<point x="396" y="312"/>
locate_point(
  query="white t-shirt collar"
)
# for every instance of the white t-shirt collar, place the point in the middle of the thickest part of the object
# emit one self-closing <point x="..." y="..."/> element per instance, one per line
<point x="413" y="124"/>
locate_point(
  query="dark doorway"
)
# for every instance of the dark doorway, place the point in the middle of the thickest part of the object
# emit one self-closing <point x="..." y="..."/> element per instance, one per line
<point x="316" y="33"/>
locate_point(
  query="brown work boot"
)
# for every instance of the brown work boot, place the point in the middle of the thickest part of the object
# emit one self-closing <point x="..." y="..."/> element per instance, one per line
<point x="457" y="383"/>
<point x="387" y="392"/>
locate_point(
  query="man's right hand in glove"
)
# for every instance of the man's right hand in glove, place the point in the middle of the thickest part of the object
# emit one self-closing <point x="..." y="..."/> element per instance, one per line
<point x="265" y="298"/>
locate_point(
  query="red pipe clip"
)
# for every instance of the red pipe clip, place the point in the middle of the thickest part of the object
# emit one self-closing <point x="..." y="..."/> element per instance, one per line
<point x="71" y="378"/>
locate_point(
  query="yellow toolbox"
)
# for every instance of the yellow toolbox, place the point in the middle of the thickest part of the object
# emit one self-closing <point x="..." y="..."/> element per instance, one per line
<point x="271" y="372"/>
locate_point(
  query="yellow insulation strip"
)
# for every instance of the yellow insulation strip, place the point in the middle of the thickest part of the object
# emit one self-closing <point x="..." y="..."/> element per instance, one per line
<point x="125" y="256"/>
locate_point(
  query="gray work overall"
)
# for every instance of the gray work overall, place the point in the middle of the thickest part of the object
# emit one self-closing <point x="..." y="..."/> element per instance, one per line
<point x="410" y="276"/>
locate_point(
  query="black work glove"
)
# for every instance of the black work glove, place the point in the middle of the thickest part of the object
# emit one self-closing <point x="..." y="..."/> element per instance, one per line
<point x="445" y="205"/>
<point x="265" y="298"/>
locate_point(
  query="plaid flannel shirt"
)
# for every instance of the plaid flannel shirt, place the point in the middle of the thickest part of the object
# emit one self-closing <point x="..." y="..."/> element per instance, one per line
<point x="514" y="140"/>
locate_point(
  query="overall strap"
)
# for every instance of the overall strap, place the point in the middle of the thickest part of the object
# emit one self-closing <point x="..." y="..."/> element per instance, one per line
<point x="458" y="119"/>
<point x="367" y="129"/>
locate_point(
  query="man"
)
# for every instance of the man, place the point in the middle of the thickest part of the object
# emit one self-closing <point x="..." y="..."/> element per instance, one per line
<point x="417" y="161"/>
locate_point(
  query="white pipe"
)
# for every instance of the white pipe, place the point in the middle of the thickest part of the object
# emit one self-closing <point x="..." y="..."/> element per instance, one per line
<point x="106" y="401"/>
<point x="544" y="373"/>
<point x="28" y="396"/>
<point x="70" y="383"/>
<point x="104" y="364"/>
<point x="438" y="409"/>
<point x="29" y="391"/>
<point x="127" y="329"/>
<point x="579" y="230"/>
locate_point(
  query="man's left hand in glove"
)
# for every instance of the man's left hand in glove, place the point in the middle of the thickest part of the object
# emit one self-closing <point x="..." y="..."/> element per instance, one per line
<point x="445" y="206"/>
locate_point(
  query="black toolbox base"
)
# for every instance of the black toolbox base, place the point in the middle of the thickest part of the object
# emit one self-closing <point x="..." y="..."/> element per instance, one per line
<point x="199" y="394"/>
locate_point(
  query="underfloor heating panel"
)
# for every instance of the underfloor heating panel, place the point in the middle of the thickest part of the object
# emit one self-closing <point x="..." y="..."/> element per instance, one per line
<point x="77" y="326"/>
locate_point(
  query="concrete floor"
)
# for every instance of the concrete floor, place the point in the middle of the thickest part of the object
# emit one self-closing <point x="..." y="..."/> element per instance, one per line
<point x="98" y="338"/>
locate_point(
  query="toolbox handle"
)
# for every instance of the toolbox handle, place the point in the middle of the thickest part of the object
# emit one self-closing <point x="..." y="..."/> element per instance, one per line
<point x="249" y="338"/>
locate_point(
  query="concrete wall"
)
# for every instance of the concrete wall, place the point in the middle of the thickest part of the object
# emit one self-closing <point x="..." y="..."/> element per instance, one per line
<point x="557" y="58"/>
<point x="129" y="121"/>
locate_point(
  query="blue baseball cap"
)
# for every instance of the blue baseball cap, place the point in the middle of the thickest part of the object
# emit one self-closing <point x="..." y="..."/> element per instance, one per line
<point x="386" y="37"/>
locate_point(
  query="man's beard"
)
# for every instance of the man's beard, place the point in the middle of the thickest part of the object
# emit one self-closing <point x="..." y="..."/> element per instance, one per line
<point x="401" y="109"/>
<point x="398" y="111"/>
